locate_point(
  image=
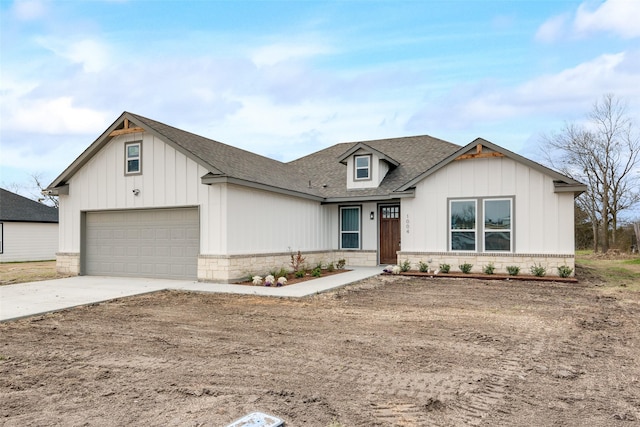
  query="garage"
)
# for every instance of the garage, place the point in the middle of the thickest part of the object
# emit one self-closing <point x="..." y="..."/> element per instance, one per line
<point x="158" y="243"/>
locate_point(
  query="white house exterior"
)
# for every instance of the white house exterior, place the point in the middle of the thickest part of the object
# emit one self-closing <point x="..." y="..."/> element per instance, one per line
<point x="28" y="229"/>
<point x="146" y="199"/>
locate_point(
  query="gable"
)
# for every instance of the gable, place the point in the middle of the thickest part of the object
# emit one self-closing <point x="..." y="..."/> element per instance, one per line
<point x="483" y="149"/>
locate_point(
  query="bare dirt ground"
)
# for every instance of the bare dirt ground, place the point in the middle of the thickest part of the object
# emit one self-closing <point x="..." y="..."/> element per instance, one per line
<point x="388" y="351"/>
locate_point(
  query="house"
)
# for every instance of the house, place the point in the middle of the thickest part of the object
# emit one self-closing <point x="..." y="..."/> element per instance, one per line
<point x="28" y="229"/>
<point x="147" y="199"/>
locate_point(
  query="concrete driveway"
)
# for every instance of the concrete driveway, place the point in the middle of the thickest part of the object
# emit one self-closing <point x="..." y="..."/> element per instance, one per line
<point x="29" y="299"/>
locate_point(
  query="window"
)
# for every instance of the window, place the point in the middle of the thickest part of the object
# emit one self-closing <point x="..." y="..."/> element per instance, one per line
<point x="463" y="225"/>
<point x="133" y="158"/>
<point x="350" y="228"/>
<point x="489" y="220"/>
<point x="363" y="169"/>
<point x="497" y="225"/>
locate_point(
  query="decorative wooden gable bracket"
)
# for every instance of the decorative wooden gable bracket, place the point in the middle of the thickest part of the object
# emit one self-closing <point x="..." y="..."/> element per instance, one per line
<point x="479" y="154"/>
<point x="126" y="128"/>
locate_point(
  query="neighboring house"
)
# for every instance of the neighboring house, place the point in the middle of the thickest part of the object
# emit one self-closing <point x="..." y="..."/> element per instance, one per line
<point x="147" y="199"/>
<point x="28" y="229"/>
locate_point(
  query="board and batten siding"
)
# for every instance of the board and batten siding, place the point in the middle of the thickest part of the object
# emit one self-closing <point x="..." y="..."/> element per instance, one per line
<point x="543" y="219"/>
<point x="262" y="222"/>
<point x="168" y="179"/>
<point x="29" y="241"/>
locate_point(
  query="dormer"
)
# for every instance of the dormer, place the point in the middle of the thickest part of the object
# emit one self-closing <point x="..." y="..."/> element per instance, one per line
<point x="366" y="167"/>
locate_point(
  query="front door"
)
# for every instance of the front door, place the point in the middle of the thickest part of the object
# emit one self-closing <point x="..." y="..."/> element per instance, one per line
<point x="389" y="234"/>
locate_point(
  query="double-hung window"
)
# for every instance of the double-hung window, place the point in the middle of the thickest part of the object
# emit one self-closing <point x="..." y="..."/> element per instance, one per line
<point x="481" y="225"/>
<point x="350" y="227"/>
<point x="362" y="167"/>
<point x="133" y="158"/>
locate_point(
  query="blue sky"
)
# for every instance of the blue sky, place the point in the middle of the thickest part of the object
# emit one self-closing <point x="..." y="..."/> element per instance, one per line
<point x="287" y="78"/>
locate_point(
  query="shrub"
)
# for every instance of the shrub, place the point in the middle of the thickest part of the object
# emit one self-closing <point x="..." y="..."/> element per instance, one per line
<point x="405" y="266"/>
<point x="316" y="272"/>
<point x="299" y="274"/>
<point x="445" y="268"/>
<point x="423" y="267"/>
<point x="465" y="268"/>
<point x="297" y="260"/>
<point x="513" y="270"/>
<point x="340" y="264"/>
<point x="489" y="268"/>
<point x="565" y="271"/>
<point x="538" y="270"/>
<point x="330" y="267"/>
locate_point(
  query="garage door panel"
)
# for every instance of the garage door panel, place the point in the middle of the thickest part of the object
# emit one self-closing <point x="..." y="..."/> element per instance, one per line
<point x="161" y="243"/>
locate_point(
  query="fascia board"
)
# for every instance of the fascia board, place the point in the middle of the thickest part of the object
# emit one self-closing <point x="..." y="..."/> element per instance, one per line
<point x="224" y="179"/>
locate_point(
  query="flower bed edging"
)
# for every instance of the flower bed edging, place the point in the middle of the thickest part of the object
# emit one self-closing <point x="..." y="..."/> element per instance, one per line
<point x="488" y="276"/>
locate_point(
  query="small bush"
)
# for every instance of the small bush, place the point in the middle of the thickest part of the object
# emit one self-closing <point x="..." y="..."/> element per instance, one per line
<point x="316" y="272"/>
<point x="341" y="263"/>
<point x="297" y="260"/>
<point x="330" y="267"/>
<point x="423" y="267"/>
<point x="538" y="270"/>
<point x="489" y="268"/>
<point x="445" y="268"/>
<point x="299" y="274"/>
<point x="405" y="266"/>
<point x="513" y="270"/>
<point x="465" y="268"/>
<point x="565" y="271"/>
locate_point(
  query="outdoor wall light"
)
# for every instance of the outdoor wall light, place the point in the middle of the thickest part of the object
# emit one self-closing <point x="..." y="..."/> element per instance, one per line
<point x="371" y="215"/>
<point x="136" y="191"/>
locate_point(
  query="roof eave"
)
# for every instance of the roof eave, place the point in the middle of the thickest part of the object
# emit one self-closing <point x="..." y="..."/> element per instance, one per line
<point x="211" y="179"/>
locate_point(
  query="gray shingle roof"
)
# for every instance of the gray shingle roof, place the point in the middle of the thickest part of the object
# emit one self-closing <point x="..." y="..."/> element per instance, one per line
<point x="14" y="207"/>
<point x="229" y="161"/>
<point x="321" y="175"/>
<point x="415" y="155"/>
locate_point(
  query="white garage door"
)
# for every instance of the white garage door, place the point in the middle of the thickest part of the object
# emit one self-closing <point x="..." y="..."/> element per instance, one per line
<point x="161" y="243"/>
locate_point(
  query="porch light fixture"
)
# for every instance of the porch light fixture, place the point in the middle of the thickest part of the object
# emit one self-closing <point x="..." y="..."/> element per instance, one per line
<point x="371" y="215"/>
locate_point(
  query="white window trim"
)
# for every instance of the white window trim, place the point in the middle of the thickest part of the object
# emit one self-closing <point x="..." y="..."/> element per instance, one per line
<point x="356" y="168"/>
<point x="480" y="230"/>
<point x="127" y="158"/>
<point x="510" y="230"/>
<point x="359" y="232"/>
<point x="474" y="230"/>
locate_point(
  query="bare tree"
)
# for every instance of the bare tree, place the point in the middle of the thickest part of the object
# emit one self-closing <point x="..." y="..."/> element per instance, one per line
<point x="604" y="155"/>
<point x="34" y="190"/>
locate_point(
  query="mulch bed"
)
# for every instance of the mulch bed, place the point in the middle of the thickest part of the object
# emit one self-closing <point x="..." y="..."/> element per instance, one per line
<point x="490" y="276"/>
<point x="292" y="279"/>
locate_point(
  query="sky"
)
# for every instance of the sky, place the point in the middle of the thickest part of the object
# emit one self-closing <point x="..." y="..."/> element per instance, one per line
<point x="288" y="78"/>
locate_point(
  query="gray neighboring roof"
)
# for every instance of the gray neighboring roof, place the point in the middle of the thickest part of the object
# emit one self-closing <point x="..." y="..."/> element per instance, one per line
<point x="320" y="176"/>
<point x="15" y="208"/>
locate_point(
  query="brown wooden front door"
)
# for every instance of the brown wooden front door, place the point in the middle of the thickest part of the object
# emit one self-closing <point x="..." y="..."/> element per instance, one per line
<point x="389" y="234"/>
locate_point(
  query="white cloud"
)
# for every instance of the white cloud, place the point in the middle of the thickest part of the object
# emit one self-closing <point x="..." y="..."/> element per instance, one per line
<point x="54" y="116"/>
<point x="552" y="29"/>
<point x="29" y="10"/>
<point x="92" y="54"/>
<point x="619" y="17"/>
<point x="616" y="16"/>
<point x="283" y="52"/>
<point x="564" y="93"/>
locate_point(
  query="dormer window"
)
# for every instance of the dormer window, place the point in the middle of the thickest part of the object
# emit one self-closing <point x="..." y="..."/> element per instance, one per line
<point x="363" y="167"/>
<point x="133" y="158"/>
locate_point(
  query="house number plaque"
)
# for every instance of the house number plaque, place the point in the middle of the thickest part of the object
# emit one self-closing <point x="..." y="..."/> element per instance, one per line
<point x="406" y="225"/>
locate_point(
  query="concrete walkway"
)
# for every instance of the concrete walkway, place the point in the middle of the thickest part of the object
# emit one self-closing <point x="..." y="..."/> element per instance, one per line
<point x="29" y="299"/>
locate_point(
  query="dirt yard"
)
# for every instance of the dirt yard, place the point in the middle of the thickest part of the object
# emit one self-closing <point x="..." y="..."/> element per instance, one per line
<point x="388" y="351"/>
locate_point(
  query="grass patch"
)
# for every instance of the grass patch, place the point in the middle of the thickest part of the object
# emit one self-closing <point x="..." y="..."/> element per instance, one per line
<point x="614" y="272"/>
